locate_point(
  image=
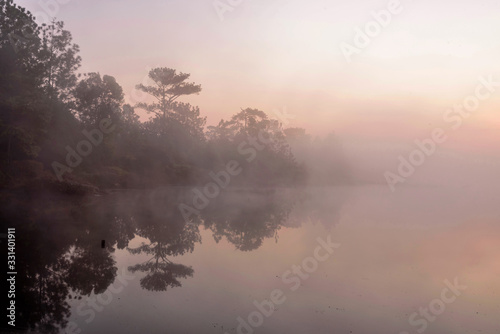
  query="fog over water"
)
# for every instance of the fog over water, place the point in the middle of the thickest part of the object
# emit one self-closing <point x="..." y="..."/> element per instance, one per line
<point x="393" y="257"/>
<point x="242" y="167"/>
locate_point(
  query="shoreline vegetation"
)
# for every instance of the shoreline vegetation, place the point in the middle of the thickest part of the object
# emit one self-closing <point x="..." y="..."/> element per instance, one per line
<point x="73" y="133"/>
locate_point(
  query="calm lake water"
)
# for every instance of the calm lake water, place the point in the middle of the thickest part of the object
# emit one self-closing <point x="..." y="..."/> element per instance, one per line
<point x="421" y="259"/>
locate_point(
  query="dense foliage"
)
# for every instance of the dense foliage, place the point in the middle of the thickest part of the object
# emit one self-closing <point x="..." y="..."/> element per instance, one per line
<point x="58" y="124"/>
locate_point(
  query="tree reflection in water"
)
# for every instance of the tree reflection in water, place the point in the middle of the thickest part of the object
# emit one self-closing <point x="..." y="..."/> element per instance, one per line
<point x="161" y="272"/>
<point x="61" y="258"/>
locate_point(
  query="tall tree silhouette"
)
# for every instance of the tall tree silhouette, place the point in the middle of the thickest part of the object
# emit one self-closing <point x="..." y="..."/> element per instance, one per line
<point x="61" y="60"/>
<point x="167" y="87"/>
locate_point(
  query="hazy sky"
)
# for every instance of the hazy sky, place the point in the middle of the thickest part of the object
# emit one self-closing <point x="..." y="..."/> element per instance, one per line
<point x="271" y="54"/>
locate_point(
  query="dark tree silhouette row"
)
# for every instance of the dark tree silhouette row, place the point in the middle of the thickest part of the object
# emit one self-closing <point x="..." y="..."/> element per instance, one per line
<point x="46" y="105"/>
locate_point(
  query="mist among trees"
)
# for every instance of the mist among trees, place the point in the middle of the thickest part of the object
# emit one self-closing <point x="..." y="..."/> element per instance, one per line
<point x="73" y="132"/>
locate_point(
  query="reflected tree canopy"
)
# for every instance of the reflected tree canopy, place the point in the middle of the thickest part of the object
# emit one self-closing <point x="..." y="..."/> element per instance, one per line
<point x="61" y="257"/>
<point x="246" y="219"/>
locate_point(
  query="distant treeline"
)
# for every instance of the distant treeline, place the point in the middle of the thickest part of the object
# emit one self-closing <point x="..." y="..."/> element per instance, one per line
<point x="61" y="127"/>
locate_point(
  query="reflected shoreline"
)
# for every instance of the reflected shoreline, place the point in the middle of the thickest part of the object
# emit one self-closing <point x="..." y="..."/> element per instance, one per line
<point x="63" y="259"/>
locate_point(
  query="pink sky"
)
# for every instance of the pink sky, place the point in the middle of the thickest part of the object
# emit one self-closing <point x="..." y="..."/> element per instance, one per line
<point x="286" y="54"/>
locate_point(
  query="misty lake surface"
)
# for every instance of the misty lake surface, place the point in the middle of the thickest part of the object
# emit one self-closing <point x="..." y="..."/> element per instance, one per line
<point x="421" y="259"/>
